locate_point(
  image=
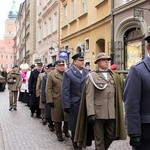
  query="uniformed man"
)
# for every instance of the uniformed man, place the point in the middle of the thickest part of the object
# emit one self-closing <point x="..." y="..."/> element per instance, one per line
<point x="14" y="83"/>
<point x="102" y="103"/>
<point x="54" y="98"/>
<point x="34" y="101"/>
<point x="47" y="109"/>
<point x="137" y="102"/>
<point x="39" y="94"/>
<point x="72" y="86"/>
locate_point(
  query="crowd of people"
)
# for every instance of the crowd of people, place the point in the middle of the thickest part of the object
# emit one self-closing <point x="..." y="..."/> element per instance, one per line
<point x="87" y="103"/>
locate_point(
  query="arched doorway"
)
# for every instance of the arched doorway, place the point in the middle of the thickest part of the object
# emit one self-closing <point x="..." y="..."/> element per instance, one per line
<point x="128" y="36"/>
<point x="78" y="49"/>
<point x="100" y="46"/>
<point x="133" y="47"/>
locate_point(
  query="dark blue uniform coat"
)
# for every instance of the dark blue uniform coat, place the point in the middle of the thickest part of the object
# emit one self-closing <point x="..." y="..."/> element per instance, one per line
<point x="137" y="96"/>
<point x="72" y="87"/>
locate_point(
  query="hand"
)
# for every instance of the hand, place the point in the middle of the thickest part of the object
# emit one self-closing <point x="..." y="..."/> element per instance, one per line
<point x="30" y="93"/>
<point x="67" y="110"/>
<point x="43" y="102"/>
<point x="51" y="104"/>
<point x="135" y="140"/>
<point x="91" y="119"/>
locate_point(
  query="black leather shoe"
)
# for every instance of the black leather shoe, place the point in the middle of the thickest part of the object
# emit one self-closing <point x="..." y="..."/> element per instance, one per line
<point x="44" y="122"/>
<point x="51" y="127"/>
<point x="67" y="134"/>
<point x="15" y="109"/>
<point x="60" y="139"/>
<point x="10" y="109"/>
<point x="39" y="117"/>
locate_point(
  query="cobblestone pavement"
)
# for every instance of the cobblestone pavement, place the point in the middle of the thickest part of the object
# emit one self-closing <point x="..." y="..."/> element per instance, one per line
<point x="19" y="131"/>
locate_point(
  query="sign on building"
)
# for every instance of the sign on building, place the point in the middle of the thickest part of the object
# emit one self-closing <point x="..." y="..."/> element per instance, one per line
<point x="63" y="54"/>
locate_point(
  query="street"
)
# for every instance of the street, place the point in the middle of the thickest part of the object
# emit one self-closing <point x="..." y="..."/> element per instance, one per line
<point x="19" y="131"/>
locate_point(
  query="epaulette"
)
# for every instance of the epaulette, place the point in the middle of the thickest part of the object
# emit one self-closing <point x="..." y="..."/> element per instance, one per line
<point x="67" y="70"/>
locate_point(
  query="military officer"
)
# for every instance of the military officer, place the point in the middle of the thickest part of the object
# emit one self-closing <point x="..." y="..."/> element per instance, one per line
<point x="34" y="101"/>
<point x="137" y="102"/>
<point x="39" y="94"/>
<point x="101" y="102"/>
<point x="14" y="83"/>
<point x="72" y="86"/>
<point x="53" y="96"/>
<point x="47" y="109"/>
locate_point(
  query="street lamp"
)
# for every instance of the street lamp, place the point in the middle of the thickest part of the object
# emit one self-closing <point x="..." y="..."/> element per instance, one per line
<point x="51" y="49"/>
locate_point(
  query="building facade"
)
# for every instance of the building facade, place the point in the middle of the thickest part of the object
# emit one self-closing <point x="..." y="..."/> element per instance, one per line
<point x="26" y="32"/>
<point x="7" y="43"/>
<point x="130" y="26"/>
<point x="86" y="27"/>
<point x="48" y="31"/>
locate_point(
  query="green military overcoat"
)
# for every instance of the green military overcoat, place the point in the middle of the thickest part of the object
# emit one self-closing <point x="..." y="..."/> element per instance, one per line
<point x="53" y="94"/>
<point x="84" y="131"/>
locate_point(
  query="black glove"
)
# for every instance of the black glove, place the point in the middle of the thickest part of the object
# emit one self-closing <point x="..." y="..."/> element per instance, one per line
<point x="135" y="140"/>
<point x="43" y="102"/>
<point x="30" y="92"/>
<point x="67" y="110"/>
<point x="91" y="119"/>
<point x="51" y="104"/>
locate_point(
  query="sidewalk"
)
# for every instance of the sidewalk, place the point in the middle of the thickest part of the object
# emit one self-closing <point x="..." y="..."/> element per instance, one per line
<point x="1" y="140"/>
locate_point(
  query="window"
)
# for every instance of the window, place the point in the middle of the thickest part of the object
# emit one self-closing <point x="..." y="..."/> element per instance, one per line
<point x="6" y="56"/>
<point x="50" y="25"/>
<point x="84" y="6"/>
<point x="45" y="29"/>
<point x="55" y="22"/>
<point x="1" y="56"/>
<point x="65" y="14"/>
<point x="87" y="44"/>
<point x="73" y="9"/>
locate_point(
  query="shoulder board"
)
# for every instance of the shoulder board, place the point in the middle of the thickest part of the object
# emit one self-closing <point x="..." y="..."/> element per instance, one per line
<point x="67" y="70"/>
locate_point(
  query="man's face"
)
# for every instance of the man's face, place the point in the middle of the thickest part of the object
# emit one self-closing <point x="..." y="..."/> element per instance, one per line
<point x="60" y="68"/>
<point x="15" y="69"/>
<point x="39" y="67"/>
<point x="79" y="63"/>
<point x="103" y="64"/>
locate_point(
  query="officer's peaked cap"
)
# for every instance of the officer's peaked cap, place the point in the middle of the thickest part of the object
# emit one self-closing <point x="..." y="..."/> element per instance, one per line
<point x="60" y="62"/>
<point x="78" y="56"/>
<point x="50" y="66"/>
<point x="15" y="66"/>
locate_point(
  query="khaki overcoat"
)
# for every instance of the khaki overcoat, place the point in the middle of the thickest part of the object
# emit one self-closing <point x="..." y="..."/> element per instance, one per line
<point x="38" y="89"/>
<point x="53" y="94"/>
<point x="14" y="81"/>
<point x="84" y="133"/>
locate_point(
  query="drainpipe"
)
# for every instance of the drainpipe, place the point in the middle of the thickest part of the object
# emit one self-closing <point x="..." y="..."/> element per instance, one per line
<point x="25" y="29"/>
<point x="112" y="32"/>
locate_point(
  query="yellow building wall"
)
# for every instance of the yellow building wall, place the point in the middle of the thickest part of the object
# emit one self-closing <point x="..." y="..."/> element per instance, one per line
<point x="93" y="25"/>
